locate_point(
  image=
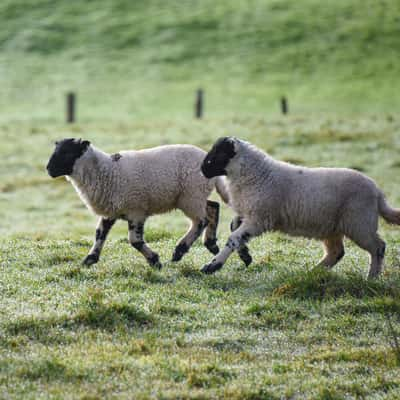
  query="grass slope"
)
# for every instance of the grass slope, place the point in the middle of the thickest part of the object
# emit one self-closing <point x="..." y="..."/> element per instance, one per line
<point x="134" y="59"/>
<point x="278" y="329"/>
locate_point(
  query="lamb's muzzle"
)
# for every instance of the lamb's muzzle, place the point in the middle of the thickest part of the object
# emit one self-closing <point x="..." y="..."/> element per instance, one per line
<point x="65" y="155"/>
<point x="218" y="158"/>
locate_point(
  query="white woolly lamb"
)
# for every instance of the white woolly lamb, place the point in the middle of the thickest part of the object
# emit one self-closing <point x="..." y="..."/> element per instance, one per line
<point x="321" y="203"/>
<point x="133" y="185"/>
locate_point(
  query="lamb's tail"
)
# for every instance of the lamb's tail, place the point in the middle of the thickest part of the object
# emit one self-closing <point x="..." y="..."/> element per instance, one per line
<point x="391" y="215"/>
<point x="222" y="189"/>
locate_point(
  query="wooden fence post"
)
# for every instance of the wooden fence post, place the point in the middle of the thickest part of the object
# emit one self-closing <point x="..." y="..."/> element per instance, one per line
<point x="284" y="105"/>
<point x="199" y="104"/>
<point x="71" y="102"/>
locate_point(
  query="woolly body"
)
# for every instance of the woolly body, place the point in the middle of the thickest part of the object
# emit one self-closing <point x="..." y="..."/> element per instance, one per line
<point x="142" y="183"/>
<point x="320" y="203"/>
<point x="300" y="201"/>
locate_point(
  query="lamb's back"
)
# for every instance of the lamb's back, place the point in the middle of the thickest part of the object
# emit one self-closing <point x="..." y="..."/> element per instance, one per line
<point x="155" y="178"/>
<point x="312" y="195"/>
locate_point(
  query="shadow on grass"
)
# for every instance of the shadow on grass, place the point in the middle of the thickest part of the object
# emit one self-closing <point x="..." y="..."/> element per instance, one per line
<point x="232" y="280"/>
<point x="295" y="296"/>
<point x="47" y="370"/>
<point x="314" y="284"/>
<point x="320" y="284"/>
<point x="277" y="313"/>
<point x="93" y="313"/>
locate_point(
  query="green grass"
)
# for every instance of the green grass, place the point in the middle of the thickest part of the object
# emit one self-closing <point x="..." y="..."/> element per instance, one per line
<point x="277" y="329"/>
<point x="134" y="60"/>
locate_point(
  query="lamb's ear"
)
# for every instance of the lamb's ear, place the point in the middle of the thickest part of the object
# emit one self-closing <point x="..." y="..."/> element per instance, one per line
<point x="233" y="141"/>
<point x="85" y="144"/>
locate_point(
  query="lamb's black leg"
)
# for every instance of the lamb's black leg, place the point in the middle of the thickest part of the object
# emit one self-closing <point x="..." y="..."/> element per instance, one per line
<point x="191" y="235"/>
<point x="237" y="238"/>
<point x="243" y="250"/>
<point x="137" y="241"/>
<point x="103" y="227"/>
<point x="210" y="234"/>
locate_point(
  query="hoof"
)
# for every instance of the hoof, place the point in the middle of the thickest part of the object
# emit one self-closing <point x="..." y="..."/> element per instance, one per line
<point x="154" y="261"/>
<point x="179" y="252"/>
<point x="245" y="257"/>
<point x="157" y="265"/>
<point x="211" y="268"/>
<point x="212" y="246"/>
<point x="213" y="250"/>
<point x="90" y="259"/>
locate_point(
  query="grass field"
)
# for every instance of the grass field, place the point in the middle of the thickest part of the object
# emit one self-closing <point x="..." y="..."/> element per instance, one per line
<point x="120" y="330"/>
<point x="278" y="329"/>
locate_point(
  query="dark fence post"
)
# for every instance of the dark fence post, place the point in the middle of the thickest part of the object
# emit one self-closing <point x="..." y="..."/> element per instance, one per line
<point x="71" y="101"/>
<point x="199" y="103"/>
<point x="284" y="105"/>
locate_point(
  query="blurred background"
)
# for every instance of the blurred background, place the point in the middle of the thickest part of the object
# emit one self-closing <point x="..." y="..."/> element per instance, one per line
<point x="144" y="59"/>
<point x="135" y="68"/>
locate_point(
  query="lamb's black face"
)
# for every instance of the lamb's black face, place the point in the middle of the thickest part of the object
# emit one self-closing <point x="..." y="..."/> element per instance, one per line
<point x="62" y="160"/>
<point x="218" y="157"/>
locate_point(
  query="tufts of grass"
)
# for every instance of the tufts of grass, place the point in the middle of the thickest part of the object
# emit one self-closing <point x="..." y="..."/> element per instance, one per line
<point x="207" y="376"/>
<point x="49" y="370"/>
<point x="96" y="312"/>
<point x="48" y="330"/>
<point x="319" y="284"/>
<point x="372" y="357"/>
<point x="278" y="313"/>
<point x="93" y="312"/>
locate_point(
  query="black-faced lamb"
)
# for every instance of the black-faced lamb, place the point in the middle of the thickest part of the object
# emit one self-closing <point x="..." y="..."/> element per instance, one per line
<point x="133" y="185"/>
<point x="320" y="203"/>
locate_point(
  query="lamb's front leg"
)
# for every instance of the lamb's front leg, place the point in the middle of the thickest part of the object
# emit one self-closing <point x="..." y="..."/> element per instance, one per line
<point x="243" y="250"/>
<point x="103" y="227"/>
<point x="236" y="240"/>
<point x="137" y="241"/>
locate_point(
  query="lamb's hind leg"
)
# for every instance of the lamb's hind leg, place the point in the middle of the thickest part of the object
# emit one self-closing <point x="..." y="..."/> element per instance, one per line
<point x="243" y="250"/>
<point x="103" y="227"/>
<point x="363" y="231"/>
<point x="137" y="241"/>
<point x="191" y="235"/>
<point x="376" y="249"/>
<point x="210" y="233"/>
<point x="334" y="251"/>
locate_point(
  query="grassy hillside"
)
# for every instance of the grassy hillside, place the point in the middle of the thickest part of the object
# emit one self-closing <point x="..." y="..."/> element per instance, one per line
<point x="136" y="59"/>
<point x="120" y="330"/>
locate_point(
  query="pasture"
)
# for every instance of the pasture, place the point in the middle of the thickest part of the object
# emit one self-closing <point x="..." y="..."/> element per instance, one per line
<point x="277" y="329"/>
<point x="121" y="330"/>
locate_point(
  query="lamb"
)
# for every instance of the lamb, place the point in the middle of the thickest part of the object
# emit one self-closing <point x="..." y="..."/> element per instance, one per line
<point x="321" y="203"/>
<point x="133" y="185"/>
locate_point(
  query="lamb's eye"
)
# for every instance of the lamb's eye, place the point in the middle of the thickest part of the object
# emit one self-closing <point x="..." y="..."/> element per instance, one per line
<point x="209" y="162"/>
